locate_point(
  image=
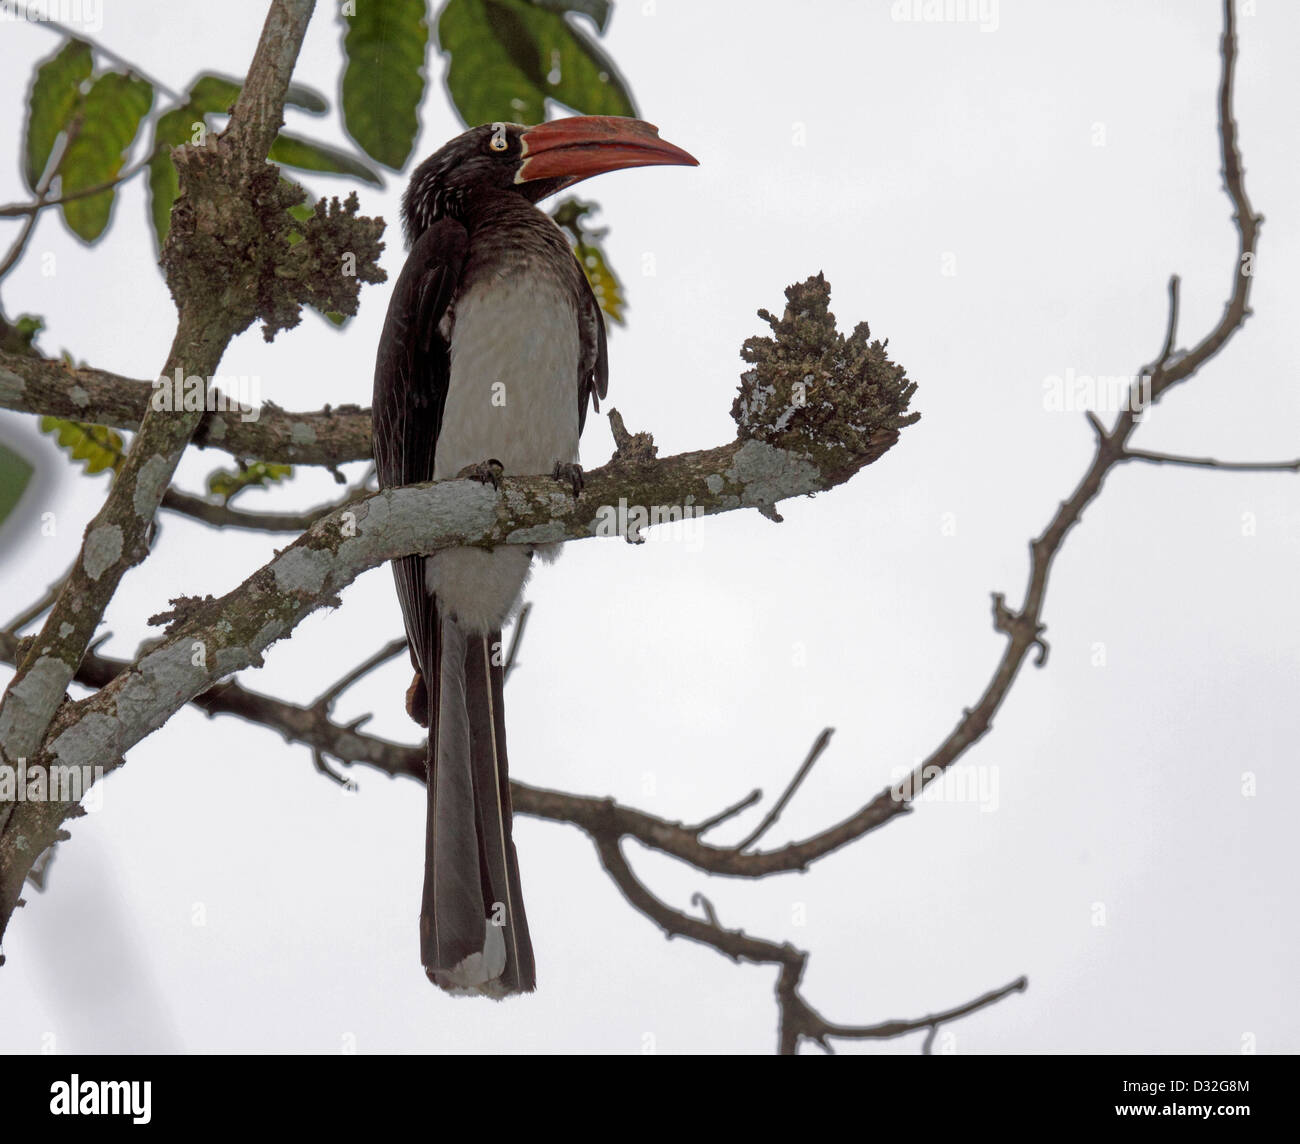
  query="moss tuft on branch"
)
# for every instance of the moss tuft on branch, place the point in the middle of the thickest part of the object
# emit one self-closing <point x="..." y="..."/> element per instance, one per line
<point x="339" y="250"/>
<point x="812" y="388"/>
<point x="231" y="225"/>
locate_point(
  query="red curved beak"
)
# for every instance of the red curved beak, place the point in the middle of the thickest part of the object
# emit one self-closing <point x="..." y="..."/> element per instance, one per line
<point x="586" y="145"/>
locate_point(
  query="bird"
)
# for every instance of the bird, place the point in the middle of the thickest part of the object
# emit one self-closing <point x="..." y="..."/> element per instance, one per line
<point x="492" y="349"/>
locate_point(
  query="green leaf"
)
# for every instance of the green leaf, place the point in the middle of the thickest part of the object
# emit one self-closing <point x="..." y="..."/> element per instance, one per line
<point x="306" y="98"/>
<point x="212" y="92"/>
<point x="98" y="447"/>
<point x="171" y="130"/>
<point x="598" y="10"/>
<point x="55" y="94"/>
<point x="208" y="95"/>
<point x="308" y="156"/>
<point x="508" y="57"/>
<point x="591" y="83"/>
<point x="227" y="482"/>
<point x="15" y="475"/>
<point x="605" y="284"/>
<point x="484" y="82"/>
<point x="19" y="336"/>
<point x="383" y="82"/>
<point x="111" y="114"/>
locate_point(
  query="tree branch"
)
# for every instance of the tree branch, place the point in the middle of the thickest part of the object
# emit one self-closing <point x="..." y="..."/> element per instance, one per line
<point x="52" y="165"/>
<point x="227" y="184"/>
<point x="1211" y="463"/>
<point x="224" y="516"/>
<point x="237" y="628"/>
<point x="1024" y="628"/>
<point x="32" y="384"/>
<point x="822" y="742"/>
<point x="40" y="203"/>
<point x="798" y="1019"/>
<point x="326" y="700"/>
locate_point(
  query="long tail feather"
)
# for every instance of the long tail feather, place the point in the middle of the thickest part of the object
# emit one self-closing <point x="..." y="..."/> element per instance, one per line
<point x="473" y="930"/>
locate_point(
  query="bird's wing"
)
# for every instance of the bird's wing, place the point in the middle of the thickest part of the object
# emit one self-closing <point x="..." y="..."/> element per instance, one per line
<point x="593" y="361"/>
<point x="412" y="370"/>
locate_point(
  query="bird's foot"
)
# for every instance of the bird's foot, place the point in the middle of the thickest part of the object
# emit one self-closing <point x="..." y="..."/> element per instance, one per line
<point x="568" y="473"/>
<point x="487" y="472"/>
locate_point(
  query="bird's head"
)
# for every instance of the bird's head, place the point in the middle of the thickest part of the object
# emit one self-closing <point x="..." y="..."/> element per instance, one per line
<point x="531" y="161"/>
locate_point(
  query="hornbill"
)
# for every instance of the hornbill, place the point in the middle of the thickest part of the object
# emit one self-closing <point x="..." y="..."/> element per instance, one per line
<point x="493" y="346"/>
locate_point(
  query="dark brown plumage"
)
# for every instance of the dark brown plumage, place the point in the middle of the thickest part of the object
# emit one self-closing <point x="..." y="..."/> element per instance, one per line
<point x="492" y="349"/>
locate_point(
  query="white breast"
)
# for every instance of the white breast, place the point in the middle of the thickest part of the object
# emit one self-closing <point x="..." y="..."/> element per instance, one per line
<point x="513" y="397"/>
<point x="513" y="394"/>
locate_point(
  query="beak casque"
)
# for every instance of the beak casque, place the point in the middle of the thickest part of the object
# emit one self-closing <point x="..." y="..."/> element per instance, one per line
<point x="586" y="145"/>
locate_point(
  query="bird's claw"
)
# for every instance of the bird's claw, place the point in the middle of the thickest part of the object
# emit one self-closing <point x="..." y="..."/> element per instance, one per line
<point x="568" y="473"/>
<point x="487" y="472"/>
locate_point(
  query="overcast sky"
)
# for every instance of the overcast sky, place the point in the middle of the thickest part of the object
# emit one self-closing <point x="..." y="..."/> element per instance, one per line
<point x="1004" y="201"/>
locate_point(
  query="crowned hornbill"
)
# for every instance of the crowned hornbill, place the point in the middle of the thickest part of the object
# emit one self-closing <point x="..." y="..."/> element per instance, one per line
<point x="492" y="348"/>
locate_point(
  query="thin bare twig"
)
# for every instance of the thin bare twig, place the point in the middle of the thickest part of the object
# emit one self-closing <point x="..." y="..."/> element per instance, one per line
<point x="19" y="210"/>
<point x="326" y="700"/>
<point x="698" y="899"/>
<point x="42" y="196"/>
<point x="1171" y="330"/>
<point x="516" y="638"/>
<point x="20" y="243"/>
<point x="1025" y="627"/>
<point x="798" y="1019"/>
<point x="1211" y="463"/>
<point x="802" y="773"/>
<point x="729" y="813"/>
<point x="223" y="516"/>
<point x="815" y="1027"/>
<point x="36" y="609"/>
<point x="318" y="761"/>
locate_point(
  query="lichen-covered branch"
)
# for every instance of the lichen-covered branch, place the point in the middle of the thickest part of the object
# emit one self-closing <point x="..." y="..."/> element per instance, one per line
<point x="230" y="232"/>
<point x="45" y="386"/>
<point x="207" y="640"/>
<point x="235" y="629"/>
<point x="215" y="302"/>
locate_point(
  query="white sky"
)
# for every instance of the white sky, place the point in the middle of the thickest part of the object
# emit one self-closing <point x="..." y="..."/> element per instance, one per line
<point x="678" y="676"/>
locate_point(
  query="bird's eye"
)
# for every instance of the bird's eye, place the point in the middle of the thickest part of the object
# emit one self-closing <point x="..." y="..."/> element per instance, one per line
<point x="499" y="142"/>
